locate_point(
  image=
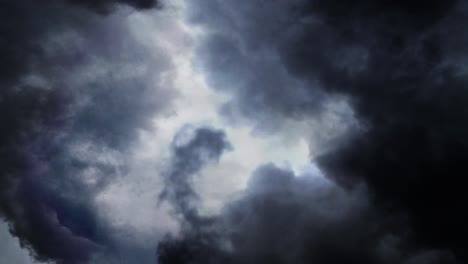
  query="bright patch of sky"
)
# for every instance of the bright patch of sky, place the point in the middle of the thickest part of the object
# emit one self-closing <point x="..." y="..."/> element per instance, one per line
<point x="10" y="250"/>
<point x="130" y="203"/>
<point x="197" y="104"/>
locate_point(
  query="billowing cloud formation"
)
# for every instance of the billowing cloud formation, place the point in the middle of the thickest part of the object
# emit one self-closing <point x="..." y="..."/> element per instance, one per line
<point x="76" y="87"/>
<point x="401" y="67"/>
<point x="286" y="218"/>
<point x="192" y="150"/>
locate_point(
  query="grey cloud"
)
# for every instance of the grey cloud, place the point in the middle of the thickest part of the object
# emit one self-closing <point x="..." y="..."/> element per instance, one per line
<point x="286" y="218"/>
<point x="401" y="66"/>
<point x="76" y="88"/>
<point x="107" y="5"/>
<point x="192" y="149"/>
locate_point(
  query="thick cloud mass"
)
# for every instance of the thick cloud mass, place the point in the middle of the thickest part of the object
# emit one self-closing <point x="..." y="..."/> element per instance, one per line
<point x="401" y="66"/>
<point x="75" y="89"/>
<point x="77" y="86"/>
<point x="105" y="5"/>
<point x="285" y="218"/>
<point x="192" y="150"/>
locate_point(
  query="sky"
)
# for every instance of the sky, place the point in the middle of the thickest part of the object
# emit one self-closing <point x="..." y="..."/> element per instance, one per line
<point x="221" y="131"/>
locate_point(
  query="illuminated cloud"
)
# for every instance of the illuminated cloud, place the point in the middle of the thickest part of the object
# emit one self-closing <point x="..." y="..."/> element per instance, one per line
<point x="208" y="131"/>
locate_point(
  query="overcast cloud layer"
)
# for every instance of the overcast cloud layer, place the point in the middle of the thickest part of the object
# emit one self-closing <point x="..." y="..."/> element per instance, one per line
<point x="400" y="66"/>
<point x="76" y="88"/>
<point x="208" y="131"/>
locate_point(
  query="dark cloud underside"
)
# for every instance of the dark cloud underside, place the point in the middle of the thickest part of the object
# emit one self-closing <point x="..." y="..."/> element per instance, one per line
<point x="76" y="86"/>
<point x="287" y="218"/>
<point x="401" y="66"/>
<point x="106" y="5"/>
<point x="192" y="149"/>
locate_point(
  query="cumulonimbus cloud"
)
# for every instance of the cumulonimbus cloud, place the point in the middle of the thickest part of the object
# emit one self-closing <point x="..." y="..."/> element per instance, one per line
<point x="400" y="64"/>
<point x="77" y="86"/>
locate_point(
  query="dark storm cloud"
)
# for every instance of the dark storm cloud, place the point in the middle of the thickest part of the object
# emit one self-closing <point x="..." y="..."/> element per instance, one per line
<point x="106" y="5"/>
<point x="192" y="149"/>
<point x="75" y="89"/>
<point x="285" y="218"/>
<point x="401" y="66"/>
